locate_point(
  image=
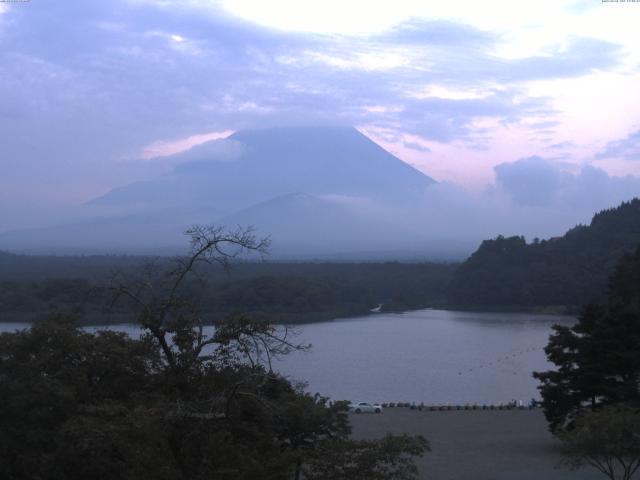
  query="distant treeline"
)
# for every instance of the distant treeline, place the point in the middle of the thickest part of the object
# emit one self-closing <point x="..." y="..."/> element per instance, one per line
<point x="31" y="287"/>
<point x="566" y="272"/>
<point x="559" y="274"/>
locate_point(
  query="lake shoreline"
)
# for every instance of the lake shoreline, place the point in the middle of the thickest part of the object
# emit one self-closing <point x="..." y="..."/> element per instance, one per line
<point x="111" y="319"/>
<point x="438" y="357"/>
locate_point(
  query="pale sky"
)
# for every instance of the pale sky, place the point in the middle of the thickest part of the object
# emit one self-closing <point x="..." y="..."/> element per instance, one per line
<point x="97" y="94"/>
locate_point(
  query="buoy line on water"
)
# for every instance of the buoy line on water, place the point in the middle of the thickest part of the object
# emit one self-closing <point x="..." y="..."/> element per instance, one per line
<point x="501" y="359"/>
<point x="512" y="405"/>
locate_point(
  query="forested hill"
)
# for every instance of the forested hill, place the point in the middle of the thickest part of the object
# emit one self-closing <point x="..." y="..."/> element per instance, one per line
<point x="566" y="271"/>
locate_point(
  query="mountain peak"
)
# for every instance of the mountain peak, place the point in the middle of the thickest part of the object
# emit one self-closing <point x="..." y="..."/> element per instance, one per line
<point x="316" y="140"/>
<point x="271" y="162"/>
<point x="334" y="169"/>
<point x="306" y="132"/>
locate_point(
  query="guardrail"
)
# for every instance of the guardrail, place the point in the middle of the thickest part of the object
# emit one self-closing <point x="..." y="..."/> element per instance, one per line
<point x="440" y="408"/>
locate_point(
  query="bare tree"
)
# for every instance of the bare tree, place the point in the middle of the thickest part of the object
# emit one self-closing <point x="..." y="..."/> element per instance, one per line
<point x="170" y="317"/>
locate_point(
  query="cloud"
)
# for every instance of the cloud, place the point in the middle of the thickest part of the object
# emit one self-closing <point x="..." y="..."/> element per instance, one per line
<point x="533" y="197"/>
<point x="529" y="181"/>
<point x="627" y="148"/>
<point x="579" y="57"/>
<point x="164" y="148"/>
<point x="561" y="145"/>
<point x="416" y="146"/>
<point x="544" y="125"/>
<point x="123" y="74"/>
<point x="539" y="182"/>
<point x="438" y="32"/>
<point x="198" y="156"/>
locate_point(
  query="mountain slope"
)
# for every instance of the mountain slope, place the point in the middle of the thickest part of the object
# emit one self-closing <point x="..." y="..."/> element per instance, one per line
<point x="314" y="224"/>
<point x="344" y="178"/>
<point x="571" y="270"/>
<point x="134" y="234"/>
<point x="273" y="162"/>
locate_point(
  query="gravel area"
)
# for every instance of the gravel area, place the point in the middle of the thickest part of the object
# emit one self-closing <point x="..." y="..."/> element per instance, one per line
<point x="477" y="444"/>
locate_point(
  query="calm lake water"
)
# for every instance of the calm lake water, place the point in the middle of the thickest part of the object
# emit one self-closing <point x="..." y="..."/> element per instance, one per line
<point x="431" y="356"/>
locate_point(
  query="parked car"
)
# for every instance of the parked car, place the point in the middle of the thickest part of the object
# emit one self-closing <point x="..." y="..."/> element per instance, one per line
<point x="364" y="407"/>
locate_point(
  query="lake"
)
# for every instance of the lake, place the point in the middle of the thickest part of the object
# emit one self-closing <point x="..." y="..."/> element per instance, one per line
<point x="431" y="356"/>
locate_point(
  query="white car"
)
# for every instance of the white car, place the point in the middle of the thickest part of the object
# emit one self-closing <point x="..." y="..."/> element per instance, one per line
<point x="364" y="407"/>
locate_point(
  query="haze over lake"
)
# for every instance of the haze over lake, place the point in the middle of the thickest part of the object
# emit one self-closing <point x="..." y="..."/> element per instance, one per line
<point x="431" y="356"/>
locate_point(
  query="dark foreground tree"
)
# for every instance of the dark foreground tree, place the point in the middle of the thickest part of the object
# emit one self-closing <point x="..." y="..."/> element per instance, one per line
<point x="607" y="439"/>
<point x="176" y="403"/>
<point x="344" y="459"/>
<point x="597" y="359"/>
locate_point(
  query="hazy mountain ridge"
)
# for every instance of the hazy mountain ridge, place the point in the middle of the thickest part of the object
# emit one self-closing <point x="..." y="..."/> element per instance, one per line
<point x="570" y="270"/>
<point x="322" y="193"/>
<point x="315" y="190"/>
<point x="268" y="163"/>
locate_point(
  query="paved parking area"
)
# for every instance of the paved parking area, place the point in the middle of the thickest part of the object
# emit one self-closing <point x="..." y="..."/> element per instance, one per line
<point x="477" y="444"/>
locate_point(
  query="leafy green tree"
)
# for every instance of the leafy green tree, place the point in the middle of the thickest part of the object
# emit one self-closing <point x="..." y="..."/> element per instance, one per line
<point x="607" y="439"/>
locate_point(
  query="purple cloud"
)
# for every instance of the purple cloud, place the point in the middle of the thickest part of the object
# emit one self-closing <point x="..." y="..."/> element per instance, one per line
<point x="627" y="148"/>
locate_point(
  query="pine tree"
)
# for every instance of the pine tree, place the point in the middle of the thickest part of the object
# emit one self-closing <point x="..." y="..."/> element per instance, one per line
<point x="597" y="359"/>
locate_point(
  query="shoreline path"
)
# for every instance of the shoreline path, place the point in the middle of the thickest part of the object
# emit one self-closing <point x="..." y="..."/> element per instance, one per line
<point x="477" y="444"/>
